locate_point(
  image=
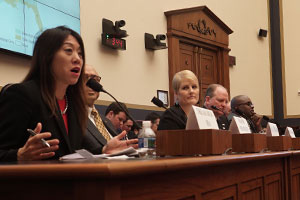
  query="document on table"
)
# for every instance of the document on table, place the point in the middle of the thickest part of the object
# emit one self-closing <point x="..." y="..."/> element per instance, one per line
<point x="84" y="154"/>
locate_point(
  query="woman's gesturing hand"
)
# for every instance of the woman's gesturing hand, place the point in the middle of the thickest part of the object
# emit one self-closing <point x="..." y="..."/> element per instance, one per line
<point x="34" y="149"/>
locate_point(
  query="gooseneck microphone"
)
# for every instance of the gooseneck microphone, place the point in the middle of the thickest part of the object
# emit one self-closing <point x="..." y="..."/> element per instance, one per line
<point x="94" y="85"/>
<point x="156" y="101"/>
<point x="216" y="108"/>
<point x="224" y="125"/>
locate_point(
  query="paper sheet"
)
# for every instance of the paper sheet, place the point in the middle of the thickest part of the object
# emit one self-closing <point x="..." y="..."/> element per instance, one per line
<point x="84" y="154"/>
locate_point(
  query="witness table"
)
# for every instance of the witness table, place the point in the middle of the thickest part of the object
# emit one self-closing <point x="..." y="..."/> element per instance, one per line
<point x="272" y="175"/>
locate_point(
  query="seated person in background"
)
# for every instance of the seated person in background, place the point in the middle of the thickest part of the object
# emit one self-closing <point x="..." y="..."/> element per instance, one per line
<point x="133" y="133"/>
<point x="154" y="118"/>
<point x="127" y="125"/>
<point x="186" y="90"/>
<point x="116" y="115"/>
<point x="241" y="106"/>
<point x="100" y="136"/>
<point x="216" y="99"/>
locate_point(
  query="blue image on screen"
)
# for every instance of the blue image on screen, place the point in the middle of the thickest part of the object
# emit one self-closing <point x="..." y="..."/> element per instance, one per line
<point x="22" y="21"/>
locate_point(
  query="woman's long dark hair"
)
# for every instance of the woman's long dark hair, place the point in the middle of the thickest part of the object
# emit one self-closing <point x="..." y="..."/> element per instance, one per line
<point x="46" y="46"/>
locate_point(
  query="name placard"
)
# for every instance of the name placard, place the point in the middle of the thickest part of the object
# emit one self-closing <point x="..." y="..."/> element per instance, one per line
<point x="272" y="130"/>
<point x="201" y="118"/>
<point x="239" y="125"/>
<point x="289" y="132"/>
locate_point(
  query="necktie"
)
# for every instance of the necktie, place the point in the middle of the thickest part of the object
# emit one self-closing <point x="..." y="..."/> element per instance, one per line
<point x="99" y="124"/>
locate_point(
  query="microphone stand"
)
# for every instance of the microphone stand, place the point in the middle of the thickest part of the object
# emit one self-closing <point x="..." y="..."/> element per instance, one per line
<point x="94" y="85"/>
<point x="130" y="117"/>
<point x="156" y="101"/>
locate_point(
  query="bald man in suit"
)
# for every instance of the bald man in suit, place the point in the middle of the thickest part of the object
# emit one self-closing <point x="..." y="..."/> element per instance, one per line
<point x="216" y="99"/>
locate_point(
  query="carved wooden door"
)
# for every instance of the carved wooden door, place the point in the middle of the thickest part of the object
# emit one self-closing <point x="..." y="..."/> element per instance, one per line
<point x="203" y="62"/>
<point x="198" y="40"/>
<point x="208" y="70"/>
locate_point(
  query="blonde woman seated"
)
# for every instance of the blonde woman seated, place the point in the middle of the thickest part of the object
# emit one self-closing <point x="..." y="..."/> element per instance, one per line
<point x="186" y="89"/>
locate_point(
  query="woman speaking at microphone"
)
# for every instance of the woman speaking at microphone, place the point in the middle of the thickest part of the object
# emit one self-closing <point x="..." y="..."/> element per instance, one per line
<point x="49" y="101"/>
<point x="186" y="89"/>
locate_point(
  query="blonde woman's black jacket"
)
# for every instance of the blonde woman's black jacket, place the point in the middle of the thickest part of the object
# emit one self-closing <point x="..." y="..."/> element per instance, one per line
<point x="173" y="118"/>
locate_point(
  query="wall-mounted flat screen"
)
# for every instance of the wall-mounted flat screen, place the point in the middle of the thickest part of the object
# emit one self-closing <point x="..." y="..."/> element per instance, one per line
<point x="22" y="21"/>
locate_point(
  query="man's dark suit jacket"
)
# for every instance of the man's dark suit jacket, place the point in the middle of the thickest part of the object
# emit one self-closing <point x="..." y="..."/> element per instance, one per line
<point x="93" y="140"/>
<point x="222" y="121"/>
<point x="22" y="107"/>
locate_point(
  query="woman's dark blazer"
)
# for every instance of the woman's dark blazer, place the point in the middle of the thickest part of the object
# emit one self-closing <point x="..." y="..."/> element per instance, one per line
<point x="172" y="119"/>
<point x="22" y="107"/>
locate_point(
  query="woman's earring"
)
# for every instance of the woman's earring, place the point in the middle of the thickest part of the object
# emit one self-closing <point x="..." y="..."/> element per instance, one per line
<point x="176" y="102"/>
